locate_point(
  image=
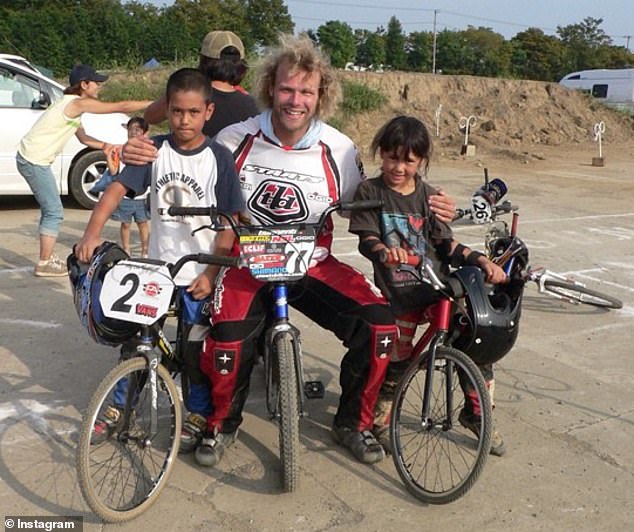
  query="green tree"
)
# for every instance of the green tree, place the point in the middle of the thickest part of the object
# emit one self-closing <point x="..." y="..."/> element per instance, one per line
<point x="266" y="20"/>
<point x="452" y="53"/>
<point x="488" y="54"/>
<point x="584" y="44"/>
<point x="337" y="40"/>
<point x="618" y="57"/>
<point x="395" y="54"/>
<point x="419" y="51"/>
<point x="370" y="47"/>
<point x="537" y="56"/>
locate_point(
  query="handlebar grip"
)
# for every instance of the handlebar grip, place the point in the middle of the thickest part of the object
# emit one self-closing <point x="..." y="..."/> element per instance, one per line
<point x="176" y="210"/>
<point x="219" y="260"/>
<point x="361" y="205"/>
<point x="412" y="260"/>
<point x="505" y="206"/>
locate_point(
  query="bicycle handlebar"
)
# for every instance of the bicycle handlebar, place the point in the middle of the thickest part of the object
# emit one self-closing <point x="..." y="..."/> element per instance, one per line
<point x="423" y="271"/>
<point x="412" y="260"/>
<point x="214" y="213"/>
<point x="360" y="205"/>
<point x="204" y="258"/>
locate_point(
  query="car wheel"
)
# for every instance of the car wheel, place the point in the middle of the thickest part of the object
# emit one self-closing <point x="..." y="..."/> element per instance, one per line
<point x="85" y="172"/>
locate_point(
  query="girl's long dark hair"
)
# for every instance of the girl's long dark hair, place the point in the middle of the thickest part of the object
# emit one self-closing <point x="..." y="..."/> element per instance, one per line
<point x="404" y="133"/>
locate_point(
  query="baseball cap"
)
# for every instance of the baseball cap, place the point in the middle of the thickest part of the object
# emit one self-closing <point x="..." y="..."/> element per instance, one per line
<point x="216" y="41"/>
<point x="84" y="73"/>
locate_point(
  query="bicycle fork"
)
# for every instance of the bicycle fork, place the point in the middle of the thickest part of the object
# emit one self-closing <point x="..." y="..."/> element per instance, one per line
<point x="436" y="335"/>
<point x="281" y="326"/>
<point x="136" y="383"/>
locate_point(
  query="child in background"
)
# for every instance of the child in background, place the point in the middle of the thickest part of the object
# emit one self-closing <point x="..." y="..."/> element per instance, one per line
<point x="135" y="209"/>
<point x="404" y="226"/>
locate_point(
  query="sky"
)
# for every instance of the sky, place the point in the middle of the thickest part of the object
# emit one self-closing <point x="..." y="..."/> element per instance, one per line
<point x="507" y="17"/>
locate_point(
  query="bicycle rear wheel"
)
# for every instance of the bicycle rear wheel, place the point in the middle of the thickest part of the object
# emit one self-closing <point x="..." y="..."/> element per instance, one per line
<point x="438" y="459"/>
<point x="122" y="473"/>
<point x="285" y="376"/>
<point x="576" y="293"/>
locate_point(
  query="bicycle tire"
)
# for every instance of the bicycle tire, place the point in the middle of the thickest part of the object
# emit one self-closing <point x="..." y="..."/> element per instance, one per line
<point x="122" y="476"/>
<point x="288" y="410"/>
<point x="576" y="293"/>
<point x="439" y="463"/>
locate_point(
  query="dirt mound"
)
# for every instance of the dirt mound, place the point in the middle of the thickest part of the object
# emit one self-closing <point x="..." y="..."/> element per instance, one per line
<point x="514" y="118"/>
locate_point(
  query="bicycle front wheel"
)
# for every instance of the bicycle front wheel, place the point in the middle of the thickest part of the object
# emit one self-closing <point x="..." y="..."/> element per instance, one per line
<point x="288" y="409"/>
<point x="577" y="293"/>
<point x="125" y="453"/>
<point x="437" y="458"/>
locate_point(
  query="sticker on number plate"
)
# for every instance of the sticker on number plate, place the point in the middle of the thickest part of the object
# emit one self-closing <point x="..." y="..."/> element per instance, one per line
<point x="138" y="292"/>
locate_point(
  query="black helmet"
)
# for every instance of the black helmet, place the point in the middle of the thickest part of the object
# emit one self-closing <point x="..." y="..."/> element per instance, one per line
<point x="488" y="325"/>
<point x="86" y="281"/>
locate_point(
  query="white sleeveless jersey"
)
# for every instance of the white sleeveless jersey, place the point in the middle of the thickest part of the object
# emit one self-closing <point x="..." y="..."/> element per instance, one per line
<point x="281" y="185"/>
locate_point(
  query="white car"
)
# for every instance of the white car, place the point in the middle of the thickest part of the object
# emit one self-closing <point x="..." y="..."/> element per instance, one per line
<point x="25" y="93"/>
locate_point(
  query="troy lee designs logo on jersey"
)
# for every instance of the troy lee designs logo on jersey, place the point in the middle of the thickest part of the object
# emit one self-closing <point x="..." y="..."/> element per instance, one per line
<point x="278" y="202"/>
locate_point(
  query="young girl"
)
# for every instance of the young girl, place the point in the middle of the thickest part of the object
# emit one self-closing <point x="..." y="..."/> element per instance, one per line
<point x="406" y="226"/>
<point x="44" y="142"/>
<point x="135" y="209"/>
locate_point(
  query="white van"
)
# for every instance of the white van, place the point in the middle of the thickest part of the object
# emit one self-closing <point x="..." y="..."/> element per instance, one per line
<point x="614" y="87"/>
<point x="24" y="95"/>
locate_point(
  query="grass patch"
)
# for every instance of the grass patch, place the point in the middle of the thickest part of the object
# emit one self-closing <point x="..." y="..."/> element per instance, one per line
<point x="359" y="98"/>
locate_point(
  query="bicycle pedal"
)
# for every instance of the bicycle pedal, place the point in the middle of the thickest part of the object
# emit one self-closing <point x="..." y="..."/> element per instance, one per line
<point x="314" y="390"/>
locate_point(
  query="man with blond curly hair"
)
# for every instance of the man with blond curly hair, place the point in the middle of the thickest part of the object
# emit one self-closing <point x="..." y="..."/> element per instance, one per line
<point x="288" y="150"/>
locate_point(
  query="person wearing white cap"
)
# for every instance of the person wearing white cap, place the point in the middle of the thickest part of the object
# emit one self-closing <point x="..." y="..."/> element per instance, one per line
<point x="222" y="60"/>
<point x="44" y="142"/>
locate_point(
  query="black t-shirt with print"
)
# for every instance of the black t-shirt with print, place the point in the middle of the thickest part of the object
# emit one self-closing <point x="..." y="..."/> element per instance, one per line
<point x="403" y="221"/>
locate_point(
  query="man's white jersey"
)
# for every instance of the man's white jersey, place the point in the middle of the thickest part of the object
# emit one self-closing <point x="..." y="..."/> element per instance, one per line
<point x="281" y="185"/>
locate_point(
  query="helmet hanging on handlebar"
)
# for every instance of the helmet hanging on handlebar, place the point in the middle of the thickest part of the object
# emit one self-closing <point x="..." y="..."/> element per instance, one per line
<point x="86" y="282"/>
<point x="487" y="326"/>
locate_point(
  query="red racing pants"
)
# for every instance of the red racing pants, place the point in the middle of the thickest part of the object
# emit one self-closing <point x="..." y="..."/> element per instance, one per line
<point x="335" y="296"/>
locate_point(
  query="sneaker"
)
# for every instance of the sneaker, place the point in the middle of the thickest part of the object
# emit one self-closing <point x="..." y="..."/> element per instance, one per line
<point x="105" y="425"/>
<point x="53" y="267"/>
<point x="211" y="448"/>
<point x="472" y="422"/>
<point x="192" y="432"/>
<point x="363" y="444"/>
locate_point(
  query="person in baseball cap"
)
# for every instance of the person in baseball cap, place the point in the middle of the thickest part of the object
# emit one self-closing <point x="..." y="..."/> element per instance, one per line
<point x="222" y="60"/>
<point x="81" y="73"/>
<point x="217" y="42"/>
